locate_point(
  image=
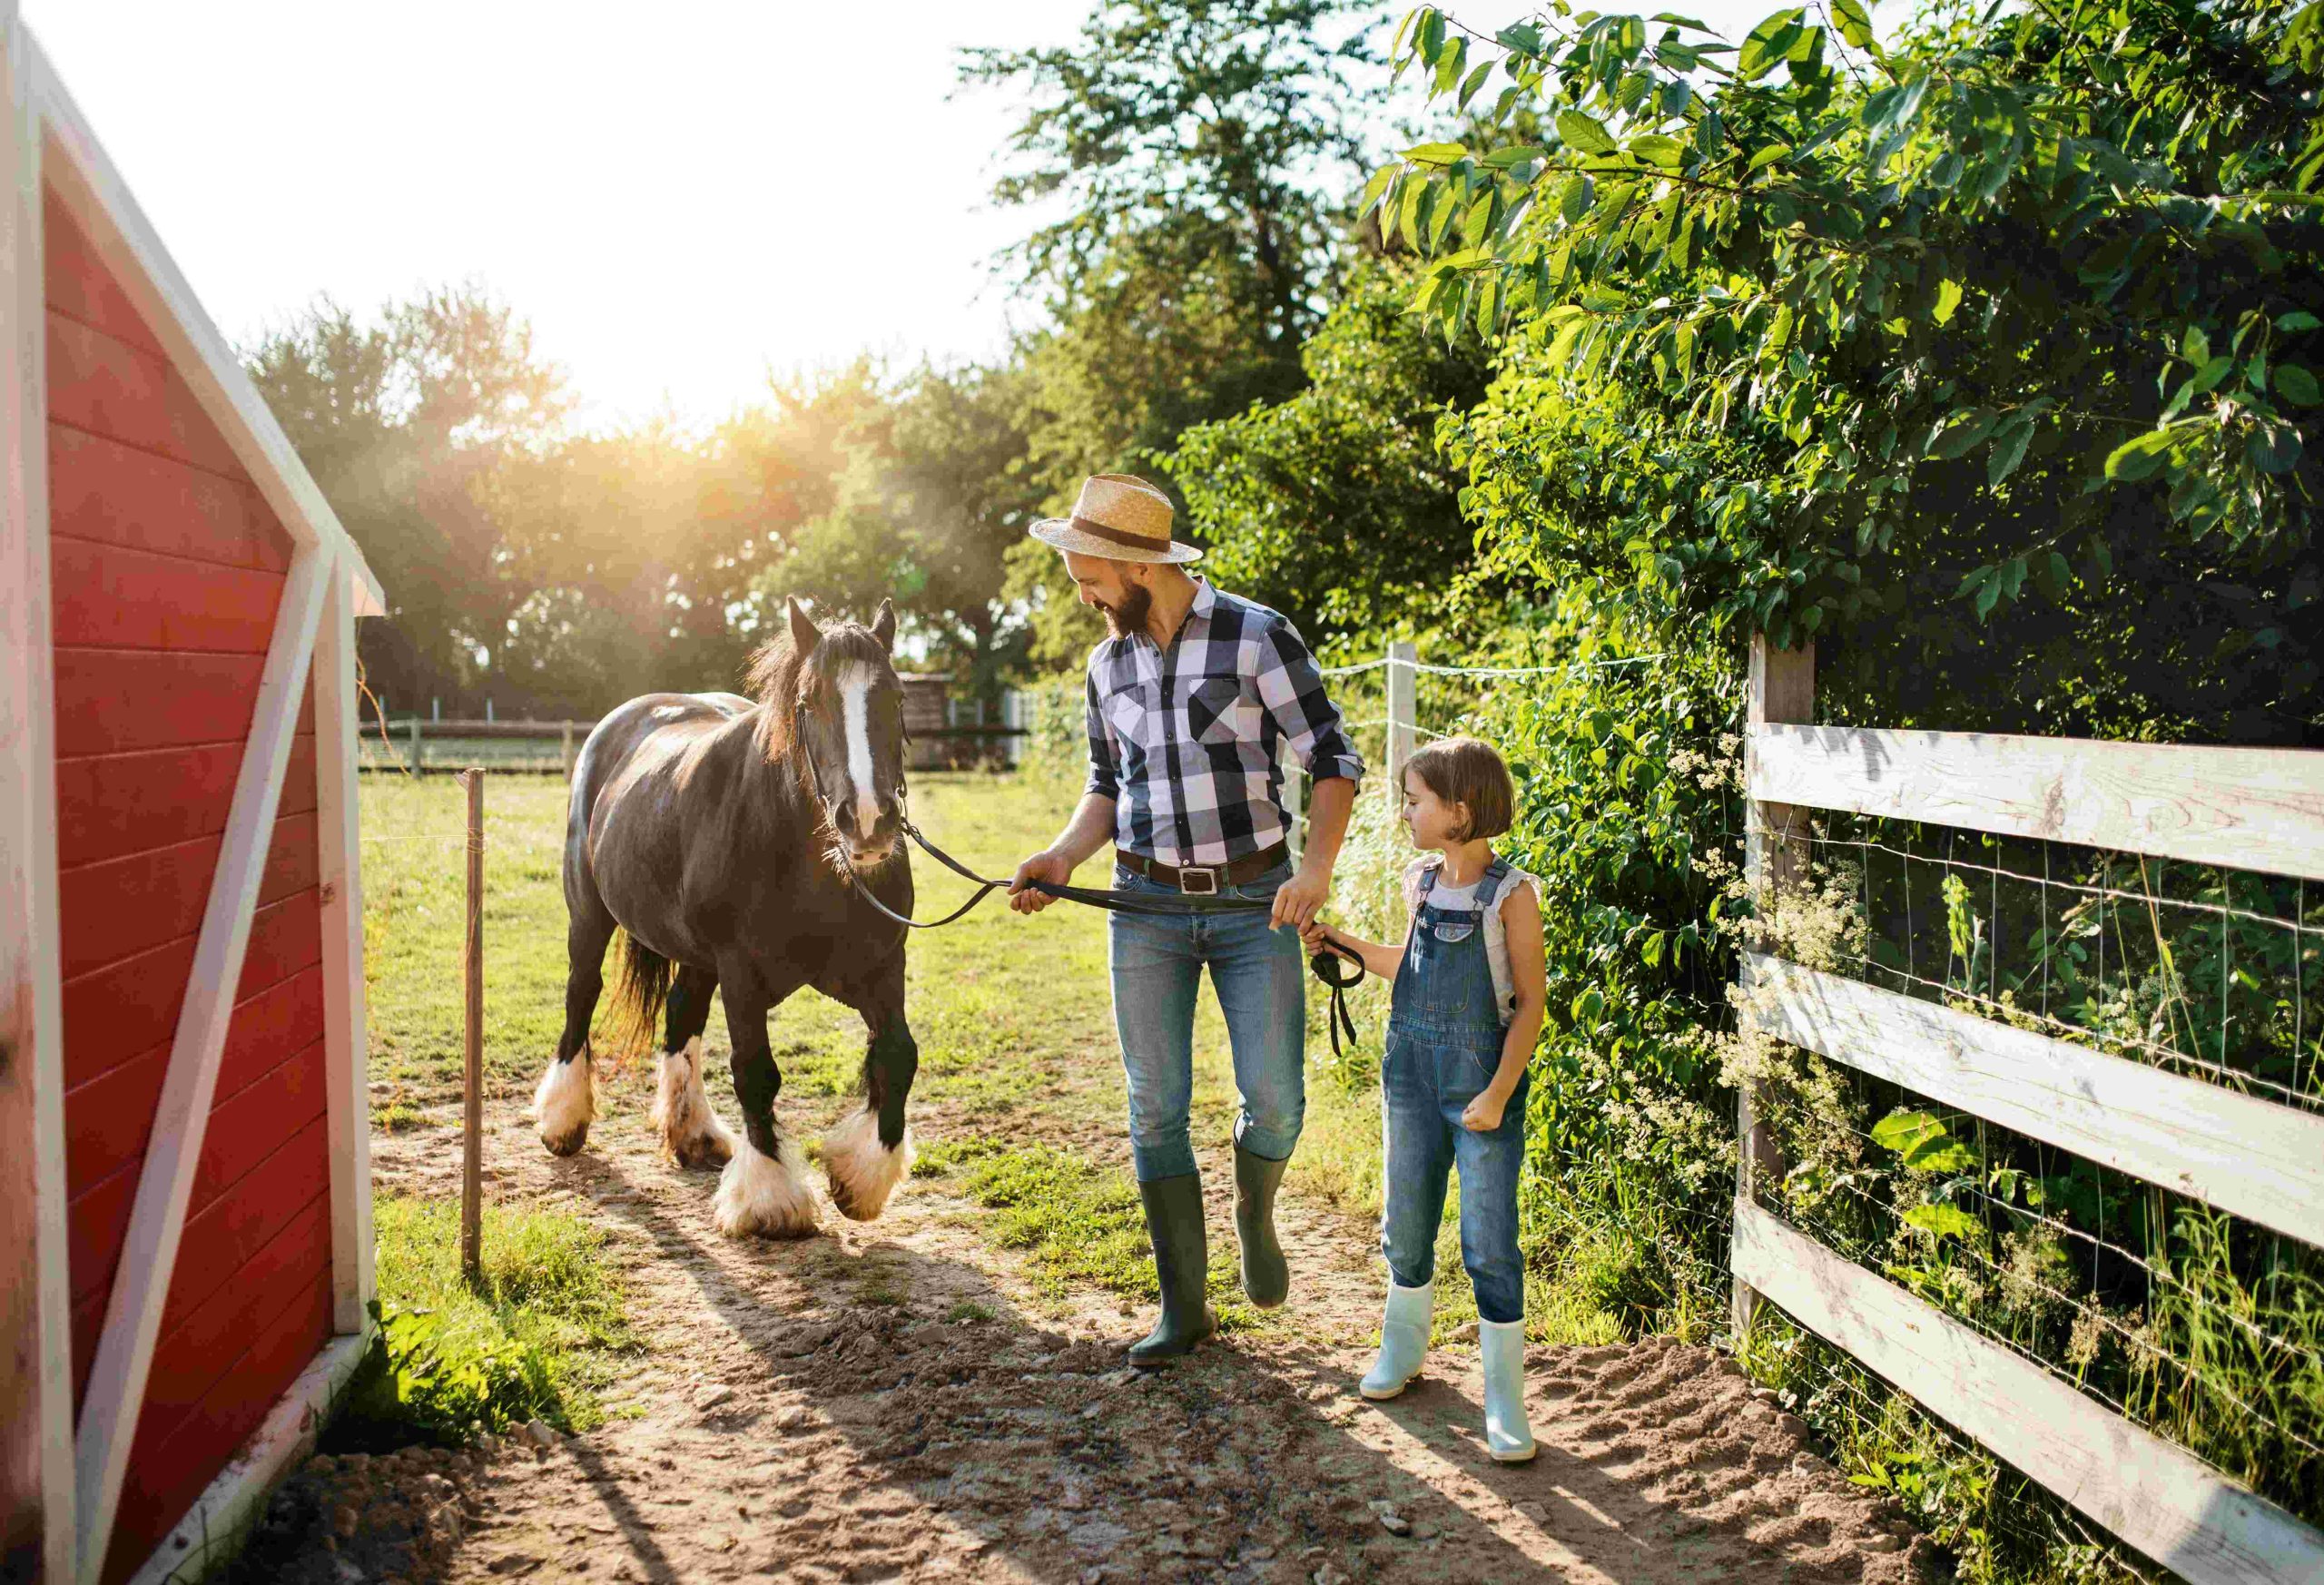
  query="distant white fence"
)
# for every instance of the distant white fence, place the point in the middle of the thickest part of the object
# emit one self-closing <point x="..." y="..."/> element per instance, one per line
<point x="2247" y="809"/>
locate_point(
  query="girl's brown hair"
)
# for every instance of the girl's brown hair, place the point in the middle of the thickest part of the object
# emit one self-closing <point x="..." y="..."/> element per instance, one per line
<point x="1468" y="770"/>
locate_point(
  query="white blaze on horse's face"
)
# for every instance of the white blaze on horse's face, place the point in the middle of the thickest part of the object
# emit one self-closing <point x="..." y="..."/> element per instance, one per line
<point x="856" y="684"/>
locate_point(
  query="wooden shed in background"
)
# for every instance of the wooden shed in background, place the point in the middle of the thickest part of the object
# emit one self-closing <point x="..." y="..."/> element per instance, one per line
<point x="185" y="1237"/>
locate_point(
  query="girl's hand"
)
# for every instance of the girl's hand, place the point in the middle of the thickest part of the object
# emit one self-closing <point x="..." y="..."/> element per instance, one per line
<point x="1314" y="934"/>
<point x="1483" y="1114"/>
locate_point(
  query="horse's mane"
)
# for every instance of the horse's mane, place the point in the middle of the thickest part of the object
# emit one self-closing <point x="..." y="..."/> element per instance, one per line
<point x="774" y="671"/>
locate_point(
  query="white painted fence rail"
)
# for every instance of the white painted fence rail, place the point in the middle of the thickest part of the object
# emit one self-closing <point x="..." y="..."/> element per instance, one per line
<point x="2160" y="1498"/>
<point x="2247" y="809"/>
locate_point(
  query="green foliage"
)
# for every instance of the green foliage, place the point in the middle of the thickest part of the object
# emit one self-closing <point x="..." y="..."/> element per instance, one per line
<point x="934" y="487"/>
<point x="398" y="419"/>
<point x="431" y="1385"/>
<point x="1335" y="506"/>
<point x="1982" y="322"/>
<point x="449" y="1363"/>
<point x="1193" y="134"/>
<point x="1201" y="154"/>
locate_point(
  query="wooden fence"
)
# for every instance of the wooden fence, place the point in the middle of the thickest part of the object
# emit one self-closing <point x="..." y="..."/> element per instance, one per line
<point x="2250" y="808"/>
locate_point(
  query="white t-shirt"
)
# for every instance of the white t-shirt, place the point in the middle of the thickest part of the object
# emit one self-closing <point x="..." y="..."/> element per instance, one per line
<point x="1496" y="933"/>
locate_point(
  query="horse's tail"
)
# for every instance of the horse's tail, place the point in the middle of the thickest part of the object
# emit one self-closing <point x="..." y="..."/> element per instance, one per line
<point x="643" y="988"/>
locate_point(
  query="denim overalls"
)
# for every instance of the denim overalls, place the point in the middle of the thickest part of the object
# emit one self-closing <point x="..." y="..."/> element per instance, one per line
<point x="1444" y="1041"/>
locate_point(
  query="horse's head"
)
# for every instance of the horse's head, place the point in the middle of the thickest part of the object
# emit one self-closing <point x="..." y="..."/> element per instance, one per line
<point x="834" y="699"/>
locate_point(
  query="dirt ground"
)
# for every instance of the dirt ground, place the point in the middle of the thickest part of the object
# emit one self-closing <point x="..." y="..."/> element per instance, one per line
<point x="816" y="1410"/>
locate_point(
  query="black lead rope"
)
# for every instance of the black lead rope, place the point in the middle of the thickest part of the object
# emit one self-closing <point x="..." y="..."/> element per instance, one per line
<point x="1324" y="965"/>
<point x="1330" y="966"/>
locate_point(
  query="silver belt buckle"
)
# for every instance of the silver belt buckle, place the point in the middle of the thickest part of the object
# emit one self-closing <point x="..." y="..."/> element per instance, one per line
<point x="1207" y="874"/>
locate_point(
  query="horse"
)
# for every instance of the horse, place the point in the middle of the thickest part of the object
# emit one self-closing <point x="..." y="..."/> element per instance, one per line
<point x="726" y="839"/>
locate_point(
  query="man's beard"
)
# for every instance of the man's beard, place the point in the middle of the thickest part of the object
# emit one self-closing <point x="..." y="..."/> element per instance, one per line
<point x="1130" y="615"/>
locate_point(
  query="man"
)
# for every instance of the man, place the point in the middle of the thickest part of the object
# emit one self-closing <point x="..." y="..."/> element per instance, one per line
<point x="1186" y="702"/>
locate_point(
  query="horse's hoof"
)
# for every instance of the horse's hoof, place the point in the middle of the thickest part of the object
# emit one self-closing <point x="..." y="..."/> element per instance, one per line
<point x="765" y="1195"/>
<point x="862" y="1172"/>
<point x="706" y="1150"/>
<point x="692" y="1135"/>
<point x="566" y="1103"/>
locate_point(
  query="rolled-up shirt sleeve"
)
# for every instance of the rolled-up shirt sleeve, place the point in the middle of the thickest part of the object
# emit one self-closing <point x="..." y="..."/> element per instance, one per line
<point x="1290" y="687"/>
<point x="1105" y="779"/>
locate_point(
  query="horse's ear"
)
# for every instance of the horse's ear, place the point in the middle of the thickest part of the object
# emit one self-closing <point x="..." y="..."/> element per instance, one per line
<point x="804" y="633"/>
<point x="883" y="625"/>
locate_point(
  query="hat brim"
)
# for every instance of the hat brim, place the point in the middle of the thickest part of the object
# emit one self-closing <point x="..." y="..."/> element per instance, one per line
<point x="1059" y="534"/>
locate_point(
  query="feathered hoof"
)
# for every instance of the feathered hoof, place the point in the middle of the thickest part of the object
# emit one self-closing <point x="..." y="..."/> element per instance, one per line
<point x="765" y="1196"/>
<point x="862" y="1172"/>
<point x="566" y="1103"/>
<point x="692" y="1135"/>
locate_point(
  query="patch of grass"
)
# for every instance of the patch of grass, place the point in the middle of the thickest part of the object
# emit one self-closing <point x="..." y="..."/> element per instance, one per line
<point x="967" y="1311"/>
<point x="1082" y="1226"/>
<point x="942" y="1158"/>
<point x="536" y="1339"/>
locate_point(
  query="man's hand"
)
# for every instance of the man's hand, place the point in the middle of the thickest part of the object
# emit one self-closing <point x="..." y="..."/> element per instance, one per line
<point x="1046" y="865"/>
<point x="1302" y="899"/>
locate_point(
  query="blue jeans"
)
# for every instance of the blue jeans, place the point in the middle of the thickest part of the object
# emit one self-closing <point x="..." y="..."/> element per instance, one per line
<point x="1261" y="977"/>
<point x="1426" y="1078"/>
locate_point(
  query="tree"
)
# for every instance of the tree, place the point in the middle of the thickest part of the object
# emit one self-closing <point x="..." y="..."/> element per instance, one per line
<point x="1203" y="150"/>
<point x="1335" y="506"/>
<point x="398" y="419"/>
<point x="1206" y="131"/>
<point x="1904" y="339"/>
<point x="935" y="492"/>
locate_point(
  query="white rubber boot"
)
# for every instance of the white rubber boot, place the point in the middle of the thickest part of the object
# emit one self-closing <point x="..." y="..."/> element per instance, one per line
<point x="1501" y="1344"/>
<point x="1403" y="1340"/>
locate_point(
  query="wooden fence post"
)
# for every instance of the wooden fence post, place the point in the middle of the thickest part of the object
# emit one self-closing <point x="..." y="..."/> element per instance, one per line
<point x="568" y="750"/>
<point x="472" y="1120"/>
<point x="1782" y="691"/>
<point x="1404" y="656"/>
<point x="416" y="767"/>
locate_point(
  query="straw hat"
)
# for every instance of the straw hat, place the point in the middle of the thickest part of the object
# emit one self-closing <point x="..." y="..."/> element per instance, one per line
<point x="1118" y="519"/>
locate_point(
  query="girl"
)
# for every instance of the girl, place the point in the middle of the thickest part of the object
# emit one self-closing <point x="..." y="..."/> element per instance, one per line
<point x="1468" y="1001"/>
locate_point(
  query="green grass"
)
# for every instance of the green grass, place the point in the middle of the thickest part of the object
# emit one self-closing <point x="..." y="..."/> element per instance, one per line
<point x="1080" y="1227"/>
<point x="540" y="1336"/>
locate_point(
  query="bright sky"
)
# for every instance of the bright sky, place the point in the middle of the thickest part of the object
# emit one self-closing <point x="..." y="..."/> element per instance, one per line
<point x="663" y="191"/>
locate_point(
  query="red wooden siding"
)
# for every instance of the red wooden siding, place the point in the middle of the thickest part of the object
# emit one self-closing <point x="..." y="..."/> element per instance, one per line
<point x="167" y="569"/>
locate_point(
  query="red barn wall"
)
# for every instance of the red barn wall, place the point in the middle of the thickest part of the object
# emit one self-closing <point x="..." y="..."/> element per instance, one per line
<point x="167" y="568"/>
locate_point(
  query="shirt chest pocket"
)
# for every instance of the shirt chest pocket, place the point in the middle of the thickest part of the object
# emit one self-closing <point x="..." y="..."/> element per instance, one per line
<point x="1218" y="713"/>
<point x="1126" y="713"/>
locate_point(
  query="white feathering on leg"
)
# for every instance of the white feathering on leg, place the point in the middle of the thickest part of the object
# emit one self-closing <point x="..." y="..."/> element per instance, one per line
<point x="692" y="1135"/>
<point x="566" y="1103"/>
<point x="863" y="1172"/>
<point x="767" y="1195"/>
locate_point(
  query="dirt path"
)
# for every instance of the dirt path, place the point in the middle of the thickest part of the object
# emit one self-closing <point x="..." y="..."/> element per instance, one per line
<point x="819" y="1411"/>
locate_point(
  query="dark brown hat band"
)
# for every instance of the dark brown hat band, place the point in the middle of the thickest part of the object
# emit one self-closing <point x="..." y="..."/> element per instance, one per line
<point x="1119" y="537"/>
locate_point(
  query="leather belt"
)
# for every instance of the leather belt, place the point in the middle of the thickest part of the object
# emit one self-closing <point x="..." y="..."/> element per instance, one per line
<point x="1205" y="880"/>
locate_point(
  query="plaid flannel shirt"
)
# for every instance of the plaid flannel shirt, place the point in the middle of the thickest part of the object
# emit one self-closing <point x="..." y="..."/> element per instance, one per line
<point x="1184" y="739"/>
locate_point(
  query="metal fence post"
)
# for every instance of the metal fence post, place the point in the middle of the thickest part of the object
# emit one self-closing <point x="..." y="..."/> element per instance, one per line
<point x="472" y="1115"/>
<point x="1782" y="691"/>
<point x="1403" y="715"/>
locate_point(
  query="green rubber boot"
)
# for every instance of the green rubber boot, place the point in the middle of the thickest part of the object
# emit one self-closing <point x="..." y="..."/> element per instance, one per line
<point x="1182" y="1261"/>
<point x="1267" y="1276"/>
